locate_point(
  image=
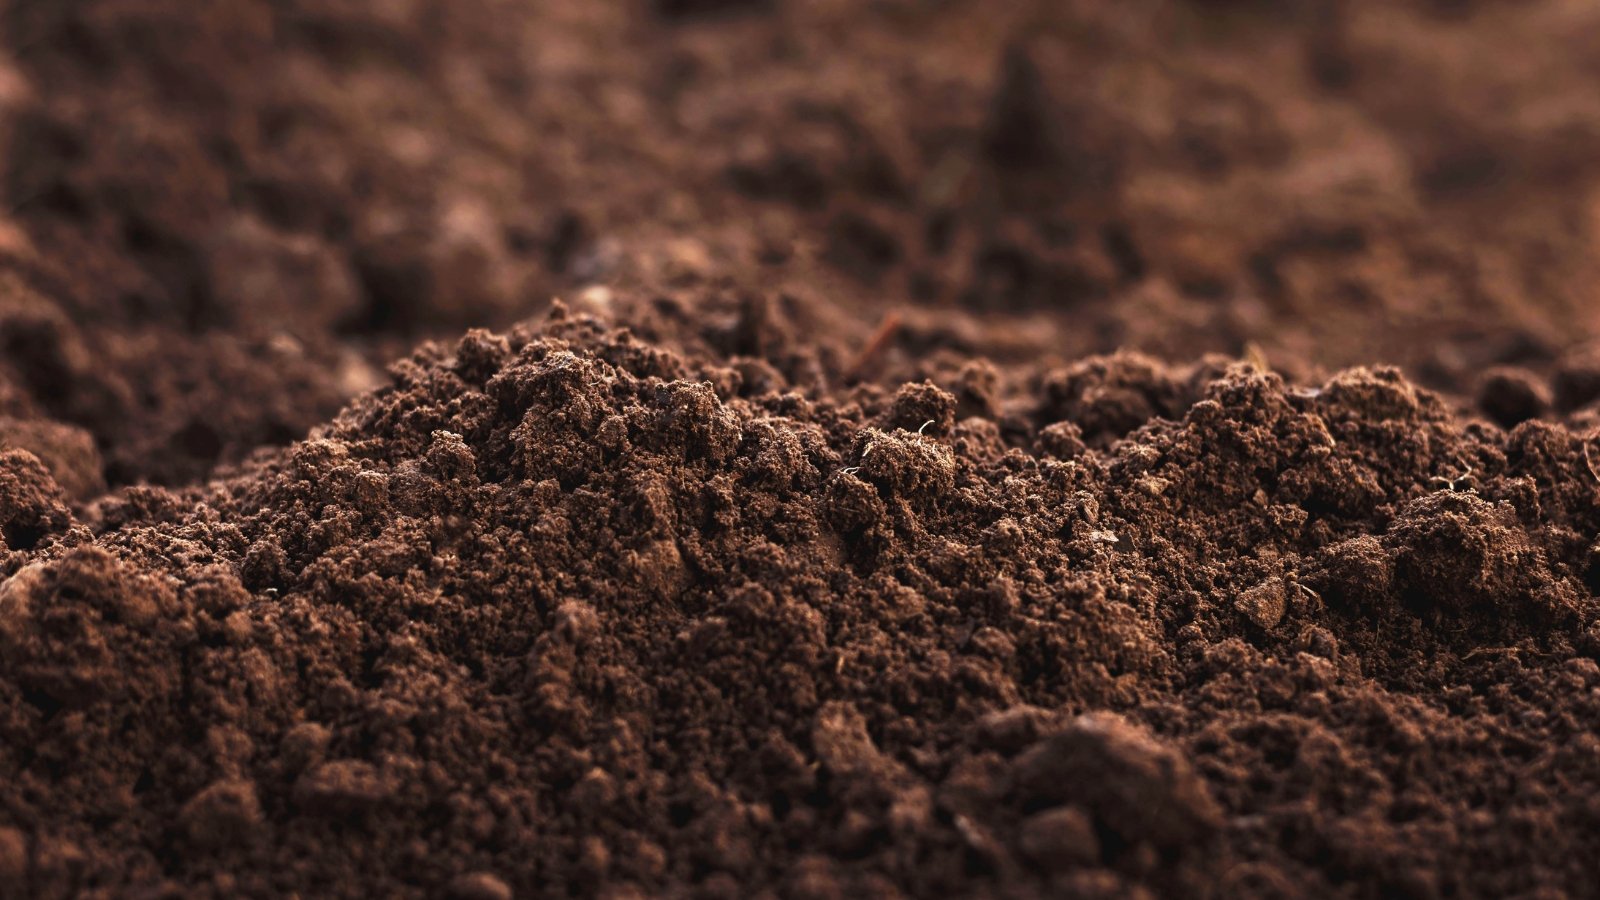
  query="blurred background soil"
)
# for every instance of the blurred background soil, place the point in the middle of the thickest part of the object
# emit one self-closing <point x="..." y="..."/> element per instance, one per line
<point x="219" y="222"/>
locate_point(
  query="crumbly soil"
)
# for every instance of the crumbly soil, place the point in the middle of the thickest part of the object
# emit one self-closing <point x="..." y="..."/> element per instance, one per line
<point x="979" y="449"/>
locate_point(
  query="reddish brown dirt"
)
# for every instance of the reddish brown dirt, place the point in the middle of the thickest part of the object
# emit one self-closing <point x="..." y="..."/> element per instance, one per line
<point x="941" y="477"/>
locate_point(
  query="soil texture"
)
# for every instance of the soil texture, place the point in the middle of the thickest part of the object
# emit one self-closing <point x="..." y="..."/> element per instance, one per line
<point x="724" y="448"/>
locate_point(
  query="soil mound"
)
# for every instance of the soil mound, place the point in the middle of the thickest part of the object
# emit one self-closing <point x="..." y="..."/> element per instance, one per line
<point x="562" y="609"/>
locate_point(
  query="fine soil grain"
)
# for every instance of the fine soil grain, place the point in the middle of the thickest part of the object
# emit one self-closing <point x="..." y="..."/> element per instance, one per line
<point x="1063" y="449"/>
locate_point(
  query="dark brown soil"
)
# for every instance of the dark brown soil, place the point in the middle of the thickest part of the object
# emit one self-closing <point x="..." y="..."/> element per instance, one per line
<point x="943" y="475"/>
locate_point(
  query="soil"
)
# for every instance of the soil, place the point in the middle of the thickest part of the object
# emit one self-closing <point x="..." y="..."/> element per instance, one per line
<point x="980" y="449"/>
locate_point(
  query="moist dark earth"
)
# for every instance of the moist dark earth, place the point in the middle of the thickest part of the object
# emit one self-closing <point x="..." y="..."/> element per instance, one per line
<point x="704" y="448"/>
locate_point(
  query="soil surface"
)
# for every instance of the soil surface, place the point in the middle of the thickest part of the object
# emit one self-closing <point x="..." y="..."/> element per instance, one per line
<point x="979" y="449"/>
